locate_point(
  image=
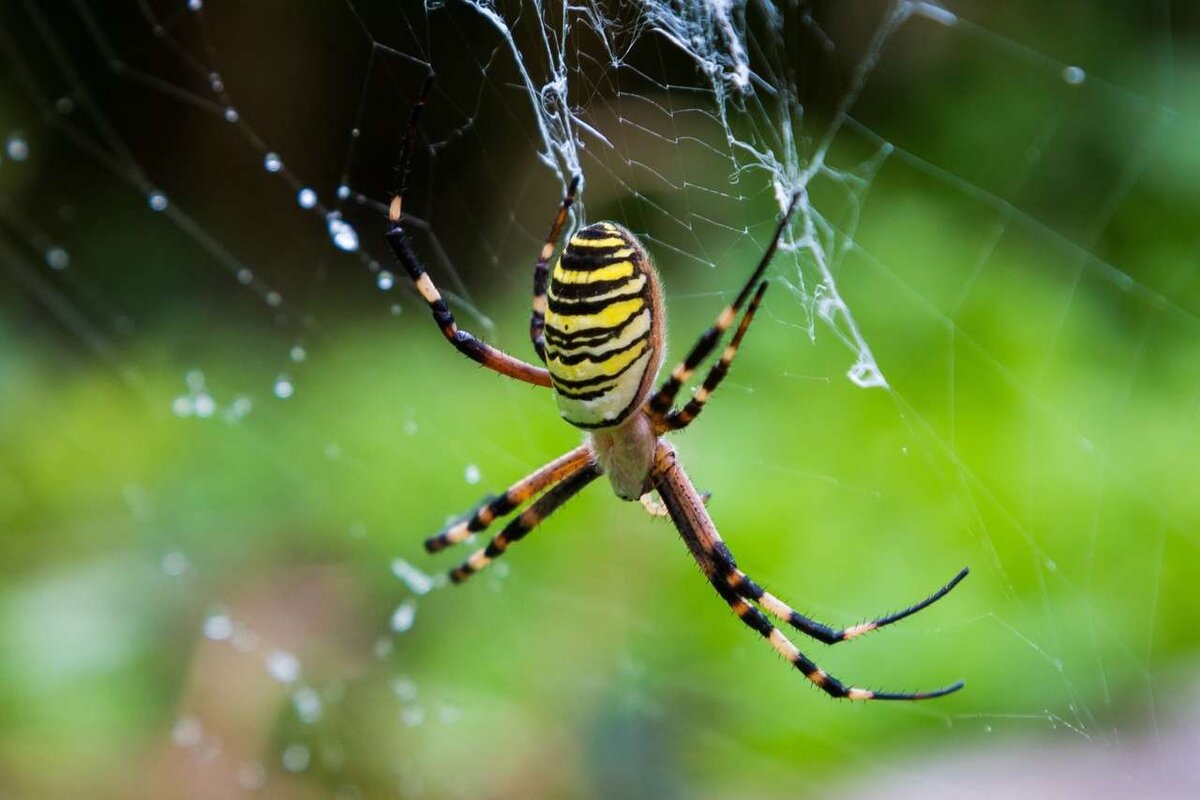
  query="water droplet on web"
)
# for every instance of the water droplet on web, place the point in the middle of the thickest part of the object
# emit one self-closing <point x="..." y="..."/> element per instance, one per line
<point x="410" y="427"/>
<point x="343" y="191"/>
<point x="218" y="627"/>
<point x="157" y="201"/>
<point x="295" y="757"/>
<point x="182" y="406"/>
<point x="297" y="353"/>
<point x="16" y="147"/>
<point x="307" y="703"/>
<point x="283" y="666"/>
<point x="231" y="114"/>
<point x="204" y="405"/>
<point x="214" y="80"/>
<point x="404" y="688"/>
<point x="344" y="237"/>
<point x="187" y="732"/>
<point x="471" y="474"/>
<point x="404" y="616"/>
<point x="64" y="105"/>
<point x="57" y="258"/>
<point x="194" y="380"/>
<point x="1074" y="75"/>
<point x="1051" y="565"/>
<point x="385" y="280"/>
<point x="244" y="276"/>
<point x="412" y="716"/>
<point x="252" y="775"/>
<point x="272" y="162"/>
<point x="987" y="728"/>
<point x="274" y="299"/>
<point x="195" y="5"/>
<point x="417" y="581"/>
<point x="241" y="406"/>
<point x="283" y="387"/>
<point x="174" y="563"/>
<point x="306" y="197"/>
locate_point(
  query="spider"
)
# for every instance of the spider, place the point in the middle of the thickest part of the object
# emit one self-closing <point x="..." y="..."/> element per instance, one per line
<point x="598" y="326"/>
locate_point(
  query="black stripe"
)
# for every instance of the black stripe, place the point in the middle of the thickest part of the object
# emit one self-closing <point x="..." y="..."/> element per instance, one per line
<point x="587" y="336"/>
<point x="579" y="260"/>
<point x="582" y="291"/>
<point x="604" y="355"/>
<point x="596" y="231"/>
<point x="579" y="308"/>
<point x="635" y="313"/>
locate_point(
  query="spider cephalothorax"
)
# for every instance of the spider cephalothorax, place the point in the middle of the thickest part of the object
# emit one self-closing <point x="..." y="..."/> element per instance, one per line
<point x="598" y="324"/>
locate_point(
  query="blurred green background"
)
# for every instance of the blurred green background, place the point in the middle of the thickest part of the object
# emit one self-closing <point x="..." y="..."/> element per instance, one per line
<point x="207" y="476"/>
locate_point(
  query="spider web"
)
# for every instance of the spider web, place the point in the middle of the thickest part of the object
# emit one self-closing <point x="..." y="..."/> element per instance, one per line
<point x="979" y="348"/>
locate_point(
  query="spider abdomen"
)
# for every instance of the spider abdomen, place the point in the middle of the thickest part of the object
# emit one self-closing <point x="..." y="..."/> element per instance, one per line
<point x="603" y="326"/>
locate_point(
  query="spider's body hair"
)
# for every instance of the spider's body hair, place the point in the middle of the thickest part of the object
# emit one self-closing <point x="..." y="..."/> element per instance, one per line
<point x="603" y="329"/>
<point x="626" y="454"/>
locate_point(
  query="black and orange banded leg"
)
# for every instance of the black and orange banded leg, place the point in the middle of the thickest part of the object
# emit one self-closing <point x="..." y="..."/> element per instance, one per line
<point x="664" y="398"/>
<point x="495" y="507"/>
<point x="463" y="341"/>
<point x="678" y="420"/>
<point x="528" y="519"/>
<point x="541" y="272"/>
<point x="699" y="534"/>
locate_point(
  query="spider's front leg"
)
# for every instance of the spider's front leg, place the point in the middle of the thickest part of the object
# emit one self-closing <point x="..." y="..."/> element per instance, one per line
<point x="466" y="343"/>
<point x="700" y="535"/>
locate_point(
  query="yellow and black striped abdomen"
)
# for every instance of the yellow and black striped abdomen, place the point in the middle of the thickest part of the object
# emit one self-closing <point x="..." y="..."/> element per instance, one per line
<point x="603" y="332"/>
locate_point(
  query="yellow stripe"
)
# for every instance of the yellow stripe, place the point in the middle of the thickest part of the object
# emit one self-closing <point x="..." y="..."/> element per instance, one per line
<point x="615" y="271"/>
<point x="612" y="315"/>
<point x="634" y="285"/>
<point x="588" y="369"/>
<point x="596" y="244"/>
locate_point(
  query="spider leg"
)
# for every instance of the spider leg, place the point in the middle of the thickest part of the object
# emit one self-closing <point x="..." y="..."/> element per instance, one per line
<point x="529" y="519"/>
<point x="494" y="507"/>
<point x="541" y="271"/>
<point x="663" y="399"/>
<point x="699" y="534"/>
<point x="656" y="508"/>
<point x="678" y="420"/>
<point x="466" y="343"/>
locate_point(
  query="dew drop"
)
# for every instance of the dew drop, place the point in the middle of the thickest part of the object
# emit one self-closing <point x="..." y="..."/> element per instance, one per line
<point x="385" y="280"/>
<point x="416" y="580"/>
<point x="404" y="688"/>
<point x="244" y="276"/>
<point x="241" y="406"/>
<point x="272" y="162"/>
<point x="471" y="474"/>
<point x="297" y="353"/>
<point x="218" y="627"/>
<point x="404" y="615"/>
<point x="214" y="80"/>
<point x="205" y="406"/>
<point x="157" y="201"/>
<point x="1074" y="75"/>
<point x="195" y="5"/>
<point x="344" y="237"/>
<point x="231" y="114"/>
<point x="412" y="716"/>
<point x="410" y="427"/>
<point x="274" y="299"/>
<point x="295" y="757"/>
<point x="174" y="563"/>
<point x="64" y="105"/>
<point x="306" y="197"/>
<point x="182" y="406"/>
<point x="1051" y="565"/>
<point x="252" y="775"/>
<point x="307" y="703"/>
<point x="187" y="732"/>
<point x="283" y="666"/>
<point x="16" y="147"/>
<point x="57" y="258"/>
<point x="283" y="387"/>
<point x="343" y="191"/>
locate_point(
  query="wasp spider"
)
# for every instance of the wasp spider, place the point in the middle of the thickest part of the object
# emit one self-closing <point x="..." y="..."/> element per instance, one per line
<point x="598" y="325"/>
